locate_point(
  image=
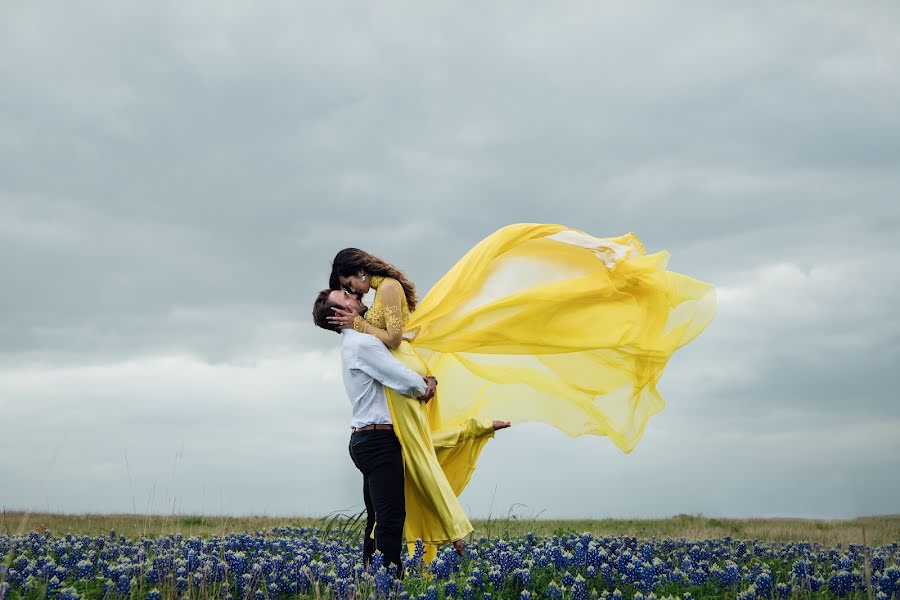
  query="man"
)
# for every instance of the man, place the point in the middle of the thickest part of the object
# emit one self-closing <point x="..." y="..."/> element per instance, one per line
<point x="367" y="368"/>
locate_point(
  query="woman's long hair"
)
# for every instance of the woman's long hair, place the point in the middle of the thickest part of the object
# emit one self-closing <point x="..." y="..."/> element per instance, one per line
<point x="350" y="261"/>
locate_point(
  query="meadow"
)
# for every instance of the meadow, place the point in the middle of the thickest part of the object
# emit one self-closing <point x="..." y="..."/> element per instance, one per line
<point x="137" y="557"/>
<point x="878" y="530"/>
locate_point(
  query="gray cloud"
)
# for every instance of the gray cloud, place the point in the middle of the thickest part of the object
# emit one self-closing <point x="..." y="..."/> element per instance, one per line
<point x="175" y="180"/>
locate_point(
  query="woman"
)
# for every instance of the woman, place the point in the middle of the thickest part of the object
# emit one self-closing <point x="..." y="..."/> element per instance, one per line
<point x="535" y="323"/>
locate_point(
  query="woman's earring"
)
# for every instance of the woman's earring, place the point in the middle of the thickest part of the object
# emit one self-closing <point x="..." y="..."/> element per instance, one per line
<point x="363" y="277"/>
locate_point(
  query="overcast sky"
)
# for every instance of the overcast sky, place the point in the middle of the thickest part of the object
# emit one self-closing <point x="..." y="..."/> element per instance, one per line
<point x="176" y="177"/>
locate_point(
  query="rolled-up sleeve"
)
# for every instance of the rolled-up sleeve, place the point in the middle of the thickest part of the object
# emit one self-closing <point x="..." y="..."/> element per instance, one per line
<point x="376" y="361"/>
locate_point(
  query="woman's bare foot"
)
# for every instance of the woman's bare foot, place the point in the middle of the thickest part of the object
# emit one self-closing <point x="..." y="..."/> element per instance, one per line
<point x="460" y="547"/>
<point x="500" y="425"/>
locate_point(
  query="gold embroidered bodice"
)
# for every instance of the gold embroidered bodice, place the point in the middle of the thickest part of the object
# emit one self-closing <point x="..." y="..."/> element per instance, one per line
<point x="389" y="318"/>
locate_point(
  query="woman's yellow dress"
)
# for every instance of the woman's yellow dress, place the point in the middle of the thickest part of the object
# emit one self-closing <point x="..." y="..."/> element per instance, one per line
<point x="438" y="461"/>
<point x="535" y="323"/>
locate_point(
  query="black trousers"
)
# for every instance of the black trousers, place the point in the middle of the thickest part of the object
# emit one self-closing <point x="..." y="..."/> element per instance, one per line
<point x="377" y="455"/>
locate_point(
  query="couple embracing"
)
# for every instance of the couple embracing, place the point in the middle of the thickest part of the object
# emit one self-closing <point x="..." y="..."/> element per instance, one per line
<point x="535" y="323"/>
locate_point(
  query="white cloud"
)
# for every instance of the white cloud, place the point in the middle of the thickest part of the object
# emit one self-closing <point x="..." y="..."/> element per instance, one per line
<point x="184" y="425"/>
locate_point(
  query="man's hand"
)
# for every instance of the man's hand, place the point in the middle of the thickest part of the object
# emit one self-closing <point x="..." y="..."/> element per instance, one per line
<point x="430" y="390"/>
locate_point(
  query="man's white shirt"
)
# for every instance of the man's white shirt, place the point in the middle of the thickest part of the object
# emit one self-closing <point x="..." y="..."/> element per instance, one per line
<point x="368" y="367"/>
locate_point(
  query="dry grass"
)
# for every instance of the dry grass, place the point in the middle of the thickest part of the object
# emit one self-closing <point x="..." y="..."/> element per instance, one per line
<point x="879" y="530"/>
<point x="133" y="526"/>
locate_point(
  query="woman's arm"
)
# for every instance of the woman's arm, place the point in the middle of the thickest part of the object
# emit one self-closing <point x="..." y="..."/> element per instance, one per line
<point x="391" y="301"/>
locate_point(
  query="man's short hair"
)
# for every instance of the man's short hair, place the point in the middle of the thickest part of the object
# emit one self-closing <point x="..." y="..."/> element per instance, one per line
<point x="322" y="310"/>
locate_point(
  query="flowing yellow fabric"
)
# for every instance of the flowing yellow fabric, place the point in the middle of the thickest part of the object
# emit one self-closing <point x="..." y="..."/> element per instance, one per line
<point x="535" y="323"/>
<point x="547" y="323"/>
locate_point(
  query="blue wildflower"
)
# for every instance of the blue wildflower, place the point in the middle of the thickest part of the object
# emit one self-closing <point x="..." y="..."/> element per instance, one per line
<point x="441" y="568"/>
<point x="383" y="582"/>
<point x="496" y="578"/>
<point x="579" y="589"/>
<point x="123" y="585"/>
<point x="783" y="590"/>
<point x="802" y="569"/>
<point x="697" y="577"/>
<point x="841" y="583"/>
<point x="341" y="588"/>
<point x="764" y="583"/>
<point x="68" y="593"/>
<point x="731" y="575"/>
<point x="748" y="594"/>
<point x="553" y="591"/>
<point x="522" y="577"/>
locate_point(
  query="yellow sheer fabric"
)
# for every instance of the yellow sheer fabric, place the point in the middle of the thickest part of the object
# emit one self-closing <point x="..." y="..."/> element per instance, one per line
<point x="535" y="323"/>
<point x="546" y="323"/>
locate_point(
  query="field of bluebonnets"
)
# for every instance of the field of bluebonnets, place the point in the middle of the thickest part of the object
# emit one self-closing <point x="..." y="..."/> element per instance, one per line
<point x="323" y="560"/>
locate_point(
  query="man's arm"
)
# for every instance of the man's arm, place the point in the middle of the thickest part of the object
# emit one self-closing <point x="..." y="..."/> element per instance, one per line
<point x="376" y="361"/>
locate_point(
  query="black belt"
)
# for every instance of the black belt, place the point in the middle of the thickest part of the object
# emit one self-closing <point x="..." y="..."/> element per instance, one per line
<point x="378" y="427"/>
